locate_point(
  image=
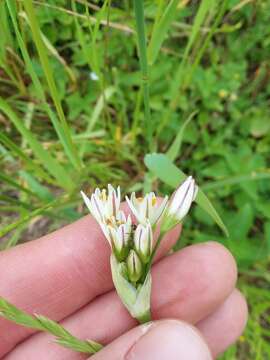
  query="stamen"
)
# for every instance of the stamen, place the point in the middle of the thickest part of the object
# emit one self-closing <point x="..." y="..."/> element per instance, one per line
<point x="147" y="208"/>
<point x="104" y="194"/>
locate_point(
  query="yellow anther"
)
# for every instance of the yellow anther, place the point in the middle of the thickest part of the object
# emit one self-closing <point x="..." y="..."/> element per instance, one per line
<point x="104" y="195"/>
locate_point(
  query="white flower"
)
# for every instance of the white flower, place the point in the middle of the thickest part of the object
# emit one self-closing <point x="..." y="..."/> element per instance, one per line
<point x="118" y="233"/>
<point x="146" y="208"/>
<point x="103" y="204"/>
<point x="93" y="76"/>
<point x="143" y="241"/>
<point x="180" y="203"/>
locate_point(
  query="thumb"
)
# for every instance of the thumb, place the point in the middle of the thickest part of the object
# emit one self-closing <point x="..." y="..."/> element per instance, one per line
<point x="160" y="340"/>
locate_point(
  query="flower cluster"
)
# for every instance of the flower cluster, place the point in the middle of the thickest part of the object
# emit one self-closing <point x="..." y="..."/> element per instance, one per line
<point x="132" y="244"/>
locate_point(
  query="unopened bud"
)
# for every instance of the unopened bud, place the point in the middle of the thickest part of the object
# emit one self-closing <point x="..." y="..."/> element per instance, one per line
<point x="180" y="203"/>
<point x="134" y="266"/>
<point x="120" y="240"/>
<point x="143" y="241"/>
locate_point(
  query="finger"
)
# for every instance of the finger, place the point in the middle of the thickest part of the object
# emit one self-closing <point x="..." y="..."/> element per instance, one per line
<point x="57" y="274"/>
<point x="226" y="324"/>
<point x="219" y="330"/>
<point x="162" y="340"/>
<point x="188" y="285"/>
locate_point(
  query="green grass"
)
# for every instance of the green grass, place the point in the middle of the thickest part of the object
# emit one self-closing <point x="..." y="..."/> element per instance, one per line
<point x="185" y="79"/>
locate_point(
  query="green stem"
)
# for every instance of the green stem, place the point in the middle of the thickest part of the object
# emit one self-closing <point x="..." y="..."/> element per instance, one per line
<point x="144" y="318"/>
<point x="140" y="26"/>
<point x="160" y="237"/>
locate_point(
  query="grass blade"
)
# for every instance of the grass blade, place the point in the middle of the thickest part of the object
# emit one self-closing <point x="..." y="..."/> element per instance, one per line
<point x="53" y="167"/>
<point x="7" y="179"/>
<point x="39" y="89"/>
<point x="161" y="29"/>
<point x="205" y="7"/>
<point x="76" y="161"/>
<point x="174" y="149"/>
<point x="95" y="115"/>
<point x="139" y="16"/>
<point x="202" y="49"/>
<point x="16" y="151"/>
<point x="165" y="170"/>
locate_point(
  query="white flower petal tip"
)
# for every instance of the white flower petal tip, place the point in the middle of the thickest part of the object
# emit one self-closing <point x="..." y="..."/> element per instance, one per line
<point x="147" y="208"/>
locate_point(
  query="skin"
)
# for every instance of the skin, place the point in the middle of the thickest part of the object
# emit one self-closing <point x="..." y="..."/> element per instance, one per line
<point x="197" y="312"/>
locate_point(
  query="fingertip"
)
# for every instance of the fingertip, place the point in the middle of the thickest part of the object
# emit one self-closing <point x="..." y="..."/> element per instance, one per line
<point x="222" y="328"/>
<point x="224" y="257"/>
<point x="170" y="339"/>
<point x="161" y="340"/>
<point x="196" y="280"/>
<point x="218" y="268"/>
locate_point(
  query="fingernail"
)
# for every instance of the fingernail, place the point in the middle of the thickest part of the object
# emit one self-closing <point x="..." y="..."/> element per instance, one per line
<point x="169" y="339"/>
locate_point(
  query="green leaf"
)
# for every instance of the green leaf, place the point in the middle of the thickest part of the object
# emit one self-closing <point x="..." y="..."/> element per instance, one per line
<point x="166" y="171"/>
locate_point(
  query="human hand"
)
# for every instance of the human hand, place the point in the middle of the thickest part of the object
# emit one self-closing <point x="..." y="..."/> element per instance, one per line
<point x="66" y="276"/>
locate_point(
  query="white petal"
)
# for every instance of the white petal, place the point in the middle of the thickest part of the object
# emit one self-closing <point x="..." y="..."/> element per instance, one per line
<point x="86" y="201"/>
<point x="106" y="232"/>
<point x="97" y="207"/>
<point x="158" y="211"/>
<point x="132" y="208"/>
<point x="179" y="196"/>
<point x="186" y="203"/>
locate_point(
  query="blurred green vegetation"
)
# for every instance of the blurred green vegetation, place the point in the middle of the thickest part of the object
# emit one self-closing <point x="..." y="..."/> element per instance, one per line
<point x="72" y="116"/>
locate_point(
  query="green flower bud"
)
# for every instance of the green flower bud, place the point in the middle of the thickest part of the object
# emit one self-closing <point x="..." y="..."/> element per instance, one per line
<point x="134" y="266"/>
<point x="120" y="238"/>
<point x="143" y="241"/>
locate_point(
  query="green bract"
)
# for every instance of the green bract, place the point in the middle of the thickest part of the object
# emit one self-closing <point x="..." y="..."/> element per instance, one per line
<point x="135" y="299"/>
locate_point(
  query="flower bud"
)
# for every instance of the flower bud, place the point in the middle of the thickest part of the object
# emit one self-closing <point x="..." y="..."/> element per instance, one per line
<point x="119" y="239"/>
<point x="134" y="266"/>
<point x="180" y="203"/>
<point x="143" y="241"/>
